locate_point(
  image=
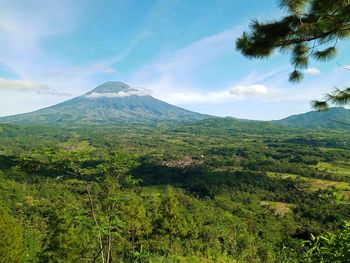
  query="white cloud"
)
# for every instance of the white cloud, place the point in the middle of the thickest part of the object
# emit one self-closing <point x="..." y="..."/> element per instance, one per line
<point x="312" y="71"/>
<point x="22" y="85"/>
<point x="221" y="96"/>
<point x="272" y="87"/>
<point x="28" y="86"/>
<point x="174" y="77"/>
<point x="120" y="94"/>
<point x="170" y="75"/>
<point x="23" y="44"/>
<point x="176" y="66"/>
<point x="27" y="51"/>
<point x="251" y="90"/>
<point x="22" y="33"/>
<point x="25" y="56"/>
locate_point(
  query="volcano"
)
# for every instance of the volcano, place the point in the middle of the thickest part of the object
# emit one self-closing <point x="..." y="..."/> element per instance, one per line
<point x="112" y="102"/>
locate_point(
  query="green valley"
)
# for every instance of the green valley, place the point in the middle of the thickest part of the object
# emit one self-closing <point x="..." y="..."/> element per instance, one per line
<point x="217" y="190"/>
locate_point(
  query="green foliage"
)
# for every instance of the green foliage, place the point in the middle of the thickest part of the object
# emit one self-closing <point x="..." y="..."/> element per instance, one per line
<point x="295" y="76"/>
<point x="311" y="28"/>
<point x="11" y="238"/>
<point x="220" y="190"/>
<point x="329" y="247"/>
<point x="171" y="219"/>
<point x="327" y="54"/>
<point x="137" y="227"/>
<point x="67" y="240"/>
<point x="118" y="164"/>
<point x="337" y="97"/>
<point x="310" y="24"/>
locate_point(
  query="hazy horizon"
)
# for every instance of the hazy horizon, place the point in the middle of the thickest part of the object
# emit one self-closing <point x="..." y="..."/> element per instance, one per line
<point x="182" y="51"/>
<point x="143" y="92"/>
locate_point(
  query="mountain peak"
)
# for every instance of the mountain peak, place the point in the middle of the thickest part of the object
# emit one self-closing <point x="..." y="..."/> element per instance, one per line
<point x="111" y="102"/>
<point x="116" y="89"/>
<point x="111" y="87"/>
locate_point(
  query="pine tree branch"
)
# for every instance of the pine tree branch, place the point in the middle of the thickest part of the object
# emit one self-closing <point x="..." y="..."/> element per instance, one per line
<point x="342" y="66"/>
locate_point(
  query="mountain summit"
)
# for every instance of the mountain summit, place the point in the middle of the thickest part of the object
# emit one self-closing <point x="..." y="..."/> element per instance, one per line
<point x="110" y="87"/>
<point x="116" y="89"/>
<point x="111" y="102"/>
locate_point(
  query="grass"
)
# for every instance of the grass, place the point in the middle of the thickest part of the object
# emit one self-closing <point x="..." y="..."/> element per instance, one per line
<point x="278" y="207"/>
<point x="313" y="183"/>
<point x="341" y="168"/>
<point x="324" y="184"/>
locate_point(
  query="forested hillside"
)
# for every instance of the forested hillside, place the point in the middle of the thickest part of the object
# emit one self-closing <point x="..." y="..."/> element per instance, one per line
<point x="112" y="102"/>
<point x="219" y="190"/>
<point x="337" y="117"/>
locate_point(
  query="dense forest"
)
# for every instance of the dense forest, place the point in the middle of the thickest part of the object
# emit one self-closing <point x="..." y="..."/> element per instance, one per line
<point x="218" y="190"/>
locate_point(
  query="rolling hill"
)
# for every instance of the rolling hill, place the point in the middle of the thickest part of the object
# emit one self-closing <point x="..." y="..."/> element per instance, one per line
<point x="335" y="118"/>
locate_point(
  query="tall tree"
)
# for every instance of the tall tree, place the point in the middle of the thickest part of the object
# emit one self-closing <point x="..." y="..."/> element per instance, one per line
<point x="137" y="224"/>
<point x="66" y="241"/>
<point x="311" y="29"/>
<point x="173" y="220"/>
<point x="11" y="238"/>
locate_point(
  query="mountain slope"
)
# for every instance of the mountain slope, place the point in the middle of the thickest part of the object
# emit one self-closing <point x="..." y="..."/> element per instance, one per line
<point x="111" y="102"/>
<point x="336" y="117"/>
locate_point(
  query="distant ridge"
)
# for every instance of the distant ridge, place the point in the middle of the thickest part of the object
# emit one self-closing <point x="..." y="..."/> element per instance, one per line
<point x="115" y="102"/>
<point x="111" y="102"/>
<point x="337" y="117"/>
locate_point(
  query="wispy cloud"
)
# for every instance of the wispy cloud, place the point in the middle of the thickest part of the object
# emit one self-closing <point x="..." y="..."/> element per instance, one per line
<point x="28" y="86"/>
<point x="23" y="50"/>
<point x="189" y="58"/>
<point x="172" y="73"/>
<point x="251" y="90"/>
<point x="171" y="77"/>
<point x="312" y="71"/>
<point x="221" y="96"/>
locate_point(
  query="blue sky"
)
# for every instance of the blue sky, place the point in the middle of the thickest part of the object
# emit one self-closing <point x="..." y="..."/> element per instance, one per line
<point x="182" y="50"/>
